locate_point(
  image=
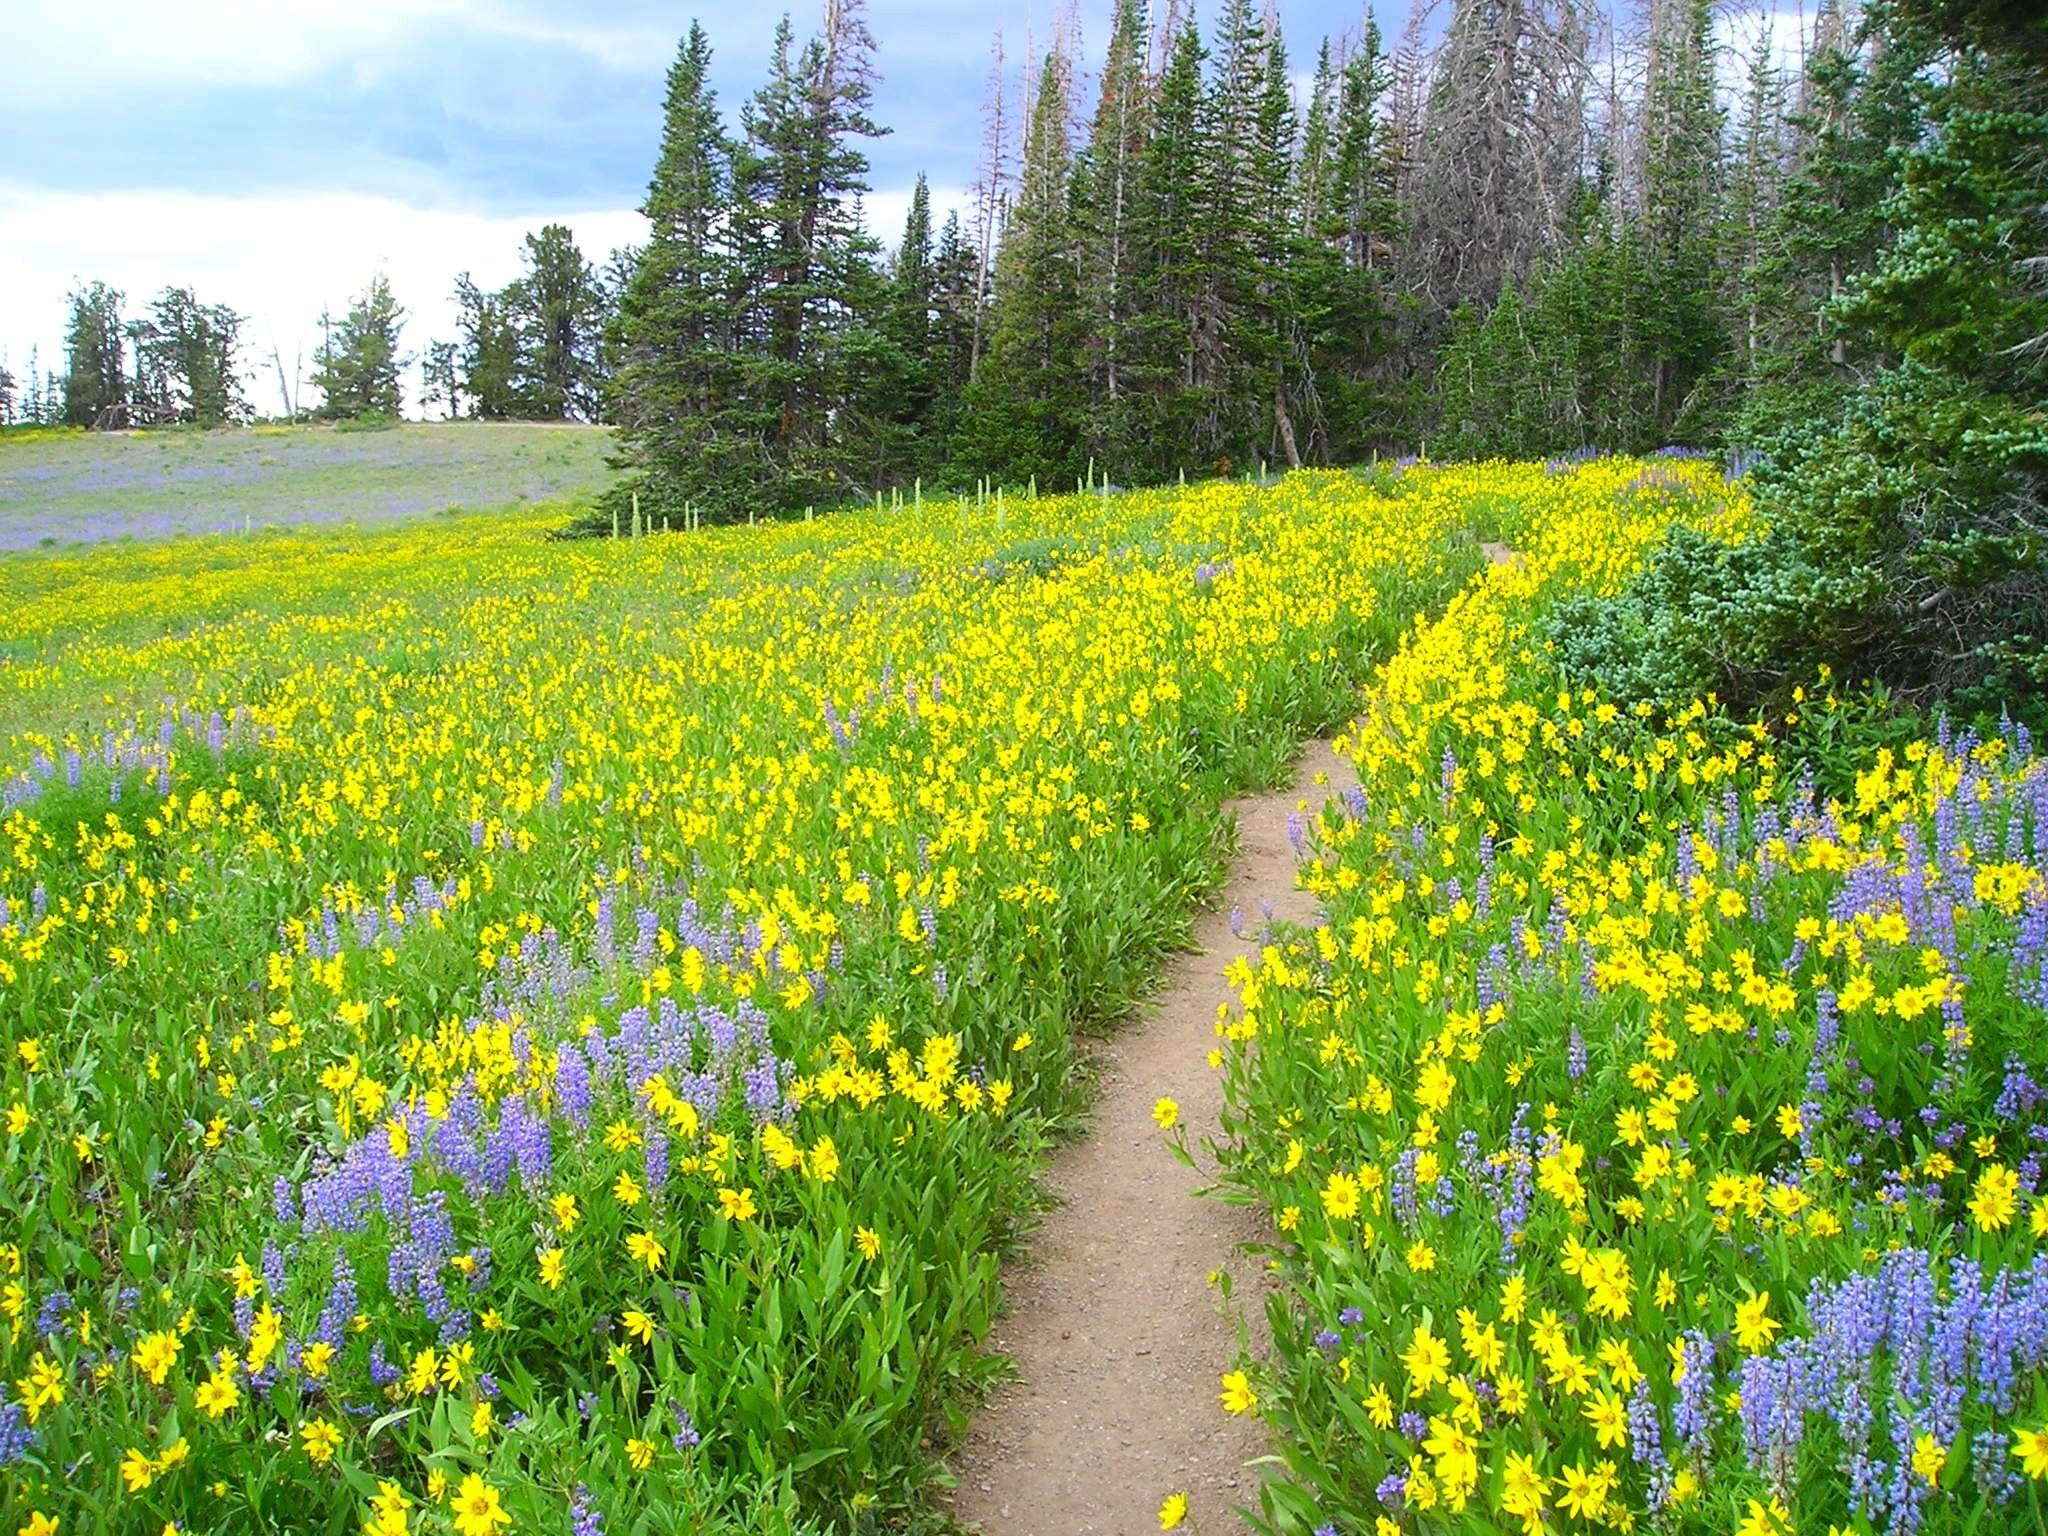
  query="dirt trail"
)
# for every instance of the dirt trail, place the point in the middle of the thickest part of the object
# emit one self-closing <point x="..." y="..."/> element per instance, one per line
<point x="1118" y="1337"/>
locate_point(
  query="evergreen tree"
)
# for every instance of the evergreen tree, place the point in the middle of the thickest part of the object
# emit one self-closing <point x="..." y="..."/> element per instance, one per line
<point x="358" y="363"/>
<point x="1359" y="232"/>
<point x="34" y="410"/>
<point x="673" y="391"/>
<point x="1171" y="275"/>
<point x="1680" y="193"/>
<point x="1107" y="176"/>
<point x="1025" y="405"/>
<point x="187" y="362"/>
<point x="1314" y="168"/>
<point x="557" y="307"/>
<point x="95" y="390"/>
<point x="1276" y="385"/>
<point x="809" y="291"/>
<point x="1860" y="111"/>
<point x="487" y="358"/>
<point x="955" y="284"/>
<point x="7" y="395"/>
<point x="901" y="377"/>
<point x="441" y="378"/>
<point x="1925" y="503"/>
<point x="1755" y="189"/>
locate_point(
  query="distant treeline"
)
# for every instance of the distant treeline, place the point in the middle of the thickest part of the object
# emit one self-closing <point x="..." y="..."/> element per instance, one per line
<point x="1541" y="233"/>
<point x="531" y="350"/>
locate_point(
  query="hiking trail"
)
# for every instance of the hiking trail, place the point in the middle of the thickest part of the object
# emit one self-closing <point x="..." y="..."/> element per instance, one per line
<point x="1120" y="1340"/>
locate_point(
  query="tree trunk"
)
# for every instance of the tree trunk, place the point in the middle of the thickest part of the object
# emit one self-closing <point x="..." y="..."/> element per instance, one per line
<point x="1285" y="424"/>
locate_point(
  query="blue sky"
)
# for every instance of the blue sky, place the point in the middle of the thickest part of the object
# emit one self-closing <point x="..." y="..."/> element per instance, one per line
<point x="274" y="153"/>
<point x="495" y="108"/>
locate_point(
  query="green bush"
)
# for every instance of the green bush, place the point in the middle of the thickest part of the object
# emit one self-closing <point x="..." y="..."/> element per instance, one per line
<point x="1744" y="622"/>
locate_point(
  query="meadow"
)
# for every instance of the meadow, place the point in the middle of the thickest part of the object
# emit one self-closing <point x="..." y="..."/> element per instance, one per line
<point x="501" y="1030"/>
<point x="505" y="1034"/>
<point x="1651" y="1130"/>
<point x="60" y="487"/>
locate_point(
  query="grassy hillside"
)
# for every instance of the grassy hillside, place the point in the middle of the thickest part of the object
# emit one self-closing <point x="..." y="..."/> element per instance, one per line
<point x="59" y="488"/>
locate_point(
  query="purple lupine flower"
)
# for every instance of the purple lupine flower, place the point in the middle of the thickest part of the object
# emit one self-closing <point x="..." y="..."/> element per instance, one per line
<point x="273" y="1271"/>
<point x="16" y="1435"/>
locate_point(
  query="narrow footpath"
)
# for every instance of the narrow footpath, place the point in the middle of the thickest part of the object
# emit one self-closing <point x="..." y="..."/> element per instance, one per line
<point x="1119" y="1339"/>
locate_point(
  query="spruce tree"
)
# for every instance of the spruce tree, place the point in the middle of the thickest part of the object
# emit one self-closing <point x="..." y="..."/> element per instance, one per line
<point x="95" y="390"/>
<point x="1108" y="174"/>
<point x="1860" y="110"/>
<point x="1171" y="275"/>
<point x="487" y="362"/>
<point x="191" y="350"/>
<point x="1358" y="235"/>
<point x="357" y="365"/>
<point x="809" y="290"/>
<point x="557" y="308"/>
<point x="1680" y="192"/>
<point x="673" y="391"/>
<point x="1925" y="503"/>
<point x="1023" y="411"/>
<point x="1755" y="188"/>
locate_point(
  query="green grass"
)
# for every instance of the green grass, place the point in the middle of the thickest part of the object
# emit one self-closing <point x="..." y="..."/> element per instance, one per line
<point x="59" y="489"/>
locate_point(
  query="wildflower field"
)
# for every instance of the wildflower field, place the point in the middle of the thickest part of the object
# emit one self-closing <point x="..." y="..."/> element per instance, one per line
<point x="508" y="1034"/>
<point x="505" y="1035"/>
<point x="1653" y="1131"/>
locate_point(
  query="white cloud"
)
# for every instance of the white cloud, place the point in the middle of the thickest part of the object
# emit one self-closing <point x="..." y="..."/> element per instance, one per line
<point x="264" y="42"/>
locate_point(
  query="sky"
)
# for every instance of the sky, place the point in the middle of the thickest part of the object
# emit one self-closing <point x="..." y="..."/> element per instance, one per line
<point x="274" y="154"/>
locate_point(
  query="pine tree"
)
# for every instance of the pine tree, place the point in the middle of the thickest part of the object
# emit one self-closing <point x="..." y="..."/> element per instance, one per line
<point x="1025" y="405"/>
<point x="956" y="273"/>
<point x="1171" y="276"/>
<point x="357" y="366"/>
<point x="1926" y="501"/>
<point x="809" y="292"/>
<point x="1859" y="112"/>
<point x="673" y="393"/>
<point x="557" y="308"/>
<point x="441" y="378"/>
<point x="890" y="387"/>
<point x="1680" y="193"/>
<point x="1358" y="236"/>
<point x="7" y="395"/>
<point x="186" y="361"/>
<point x="1313" y="171"/>
<point x="1755" y="188"/>
<point x="487" y="360"/>
<point x="1109" y="168"/>
<point x="1277" y="385"/>
<point x="95" y="389"/>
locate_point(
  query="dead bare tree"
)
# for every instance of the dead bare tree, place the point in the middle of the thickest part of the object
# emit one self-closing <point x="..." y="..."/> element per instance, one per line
<point x="1503" y="141"/>
<point x="991" y="196"/>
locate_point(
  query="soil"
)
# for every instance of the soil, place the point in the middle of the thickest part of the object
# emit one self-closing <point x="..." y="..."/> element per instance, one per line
<point x="1119" y="1337"/>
